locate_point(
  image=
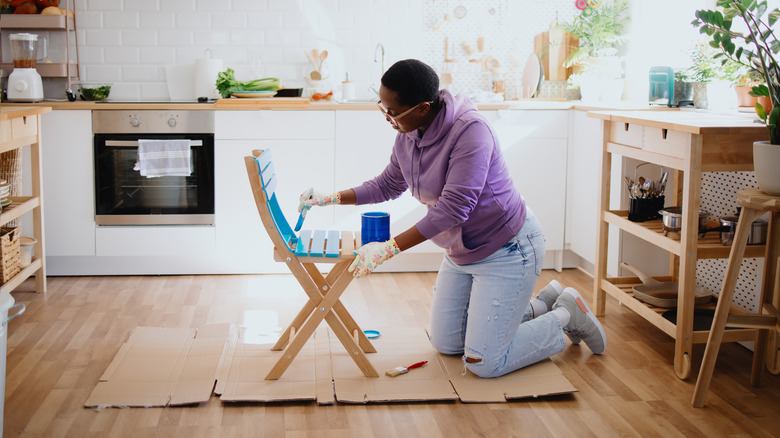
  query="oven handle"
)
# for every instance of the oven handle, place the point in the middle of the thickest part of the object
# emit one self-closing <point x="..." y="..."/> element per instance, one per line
<point x="134" y="143"/>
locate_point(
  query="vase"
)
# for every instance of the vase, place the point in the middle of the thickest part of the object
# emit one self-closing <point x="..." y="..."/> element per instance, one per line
<point x="766" y="164"/>
<point x="743" y="98"/>
<point x="611" y="90"/>
<point x="766" y="102"/>
<point x="590" y="89"/>
<point x="700" y="94"/>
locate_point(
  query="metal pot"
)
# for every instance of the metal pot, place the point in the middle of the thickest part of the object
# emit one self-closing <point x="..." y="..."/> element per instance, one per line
<point x="757" y="235"/>
<point x="671" y="218"/>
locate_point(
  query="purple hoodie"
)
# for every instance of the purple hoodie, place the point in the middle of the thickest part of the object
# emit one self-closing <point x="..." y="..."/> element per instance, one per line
<point x="458" y="171"/>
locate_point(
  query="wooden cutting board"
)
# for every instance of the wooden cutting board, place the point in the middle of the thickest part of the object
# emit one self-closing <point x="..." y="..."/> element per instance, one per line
<point x="263" y="103"/>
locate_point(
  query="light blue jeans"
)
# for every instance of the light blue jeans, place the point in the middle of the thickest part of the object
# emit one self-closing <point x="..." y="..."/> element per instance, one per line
<point x="481" y="310"/>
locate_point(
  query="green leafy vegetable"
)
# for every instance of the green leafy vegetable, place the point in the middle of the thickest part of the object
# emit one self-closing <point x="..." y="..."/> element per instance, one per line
<point x="227" y="84"/>
<point x="98" y="93"/>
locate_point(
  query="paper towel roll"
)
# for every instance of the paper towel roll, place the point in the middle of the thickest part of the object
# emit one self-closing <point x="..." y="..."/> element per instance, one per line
<point x="206" y="71"/>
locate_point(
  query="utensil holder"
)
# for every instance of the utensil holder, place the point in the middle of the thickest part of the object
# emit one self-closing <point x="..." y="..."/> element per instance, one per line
<point x="645" y="209"/>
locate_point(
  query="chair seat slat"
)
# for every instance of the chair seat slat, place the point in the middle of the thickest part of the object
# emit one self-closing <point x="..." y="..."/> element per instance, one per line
<point x="304" y="240"/>
<point x="318" y="244"/>
<point x="347" y="243"/>
<point x="332" y="245"/>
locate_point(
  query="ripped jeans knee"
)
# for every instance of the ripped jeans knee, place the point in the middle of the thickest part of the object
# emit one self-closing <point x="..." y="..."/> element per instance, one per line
<point x="475" y="362"/>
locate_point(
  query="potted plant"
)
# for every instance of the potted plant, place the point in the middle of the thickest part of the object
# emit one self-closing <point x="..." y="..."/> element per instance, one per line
<point x="683" y="89"/>
<point x="704" y="69"/>
<point x="595" y="59"/>
<point x="756" y="48"/>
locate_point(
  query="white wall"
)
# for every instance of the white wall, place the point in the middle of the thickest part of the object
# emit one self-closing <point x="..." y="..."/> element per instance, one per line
<point x="130" y="42"/>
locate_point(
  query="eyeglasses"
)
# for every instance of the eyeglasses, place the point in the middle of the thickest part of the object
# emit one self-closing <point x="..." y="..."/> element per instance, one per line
<point x="394" y="119"/>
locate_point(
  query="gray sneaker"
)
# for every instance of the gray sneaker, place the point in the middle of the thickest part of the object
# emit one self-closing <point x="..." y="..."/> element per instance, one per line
<point x="583" y="323"/>
<point x="550" y="293"/>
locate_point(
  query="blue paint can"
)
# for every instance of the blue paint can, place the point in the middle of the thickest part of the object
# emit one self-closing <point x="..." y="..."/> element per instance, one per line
<point x="374" y="227"/>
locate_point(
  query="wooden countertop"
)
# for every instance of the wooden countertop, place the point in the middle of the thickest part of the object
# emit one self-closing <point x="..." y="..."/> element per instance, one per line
<point x="13" y="112"/>
<point x="690" y="121"/>
<point x="267" y="103"/>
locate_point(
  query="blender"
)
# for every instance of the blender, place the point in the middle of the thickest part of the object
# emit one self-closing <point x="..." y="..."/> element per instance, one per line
<point x="24" y="82"/>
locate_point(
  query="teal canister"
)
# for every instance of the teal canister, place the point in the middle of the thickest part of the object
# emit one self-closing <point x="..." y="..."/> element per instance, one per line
<point x="661" y="85"/>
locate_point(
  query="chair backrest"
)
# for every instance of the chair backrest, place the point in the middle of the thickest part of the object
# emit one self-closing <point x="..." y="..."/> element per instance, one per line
<point x="263" y="180"/>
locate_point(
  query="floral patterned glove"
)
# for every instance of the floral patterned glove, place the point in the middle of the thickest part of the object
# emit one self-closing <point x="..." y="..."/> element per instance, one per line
<point x="310" y="198"/>
<point x="371" y="255"/>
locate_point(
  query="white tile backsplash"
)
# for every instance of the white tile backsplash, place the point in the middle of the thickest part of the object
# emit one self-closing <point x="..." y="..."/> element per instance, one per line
<point x="262" y="38"/>
<point x="128" y="42"/>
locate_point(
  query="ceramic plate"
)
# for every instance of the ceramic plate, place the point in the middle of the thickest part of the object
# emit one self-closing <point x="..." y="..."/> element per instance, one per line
<point x="532" y="76"/>
<point x="254" y="94"/>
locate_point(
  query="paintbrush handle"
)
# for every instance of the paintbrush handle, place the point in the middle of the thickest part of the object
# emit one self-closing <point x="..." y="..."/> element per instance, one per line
<point x="417" y="365"/>
<point x="299" y="224"/>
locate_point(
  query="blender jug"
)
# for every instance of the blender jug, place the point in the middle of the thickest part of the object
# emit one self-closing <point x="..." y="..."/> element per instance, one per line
<point x="24" y="82"/>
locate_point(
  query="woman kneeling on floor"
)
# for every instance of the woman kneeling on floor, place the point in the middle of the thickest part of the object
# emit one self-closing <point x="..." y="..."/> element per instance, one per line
<point x="448" y="156"/>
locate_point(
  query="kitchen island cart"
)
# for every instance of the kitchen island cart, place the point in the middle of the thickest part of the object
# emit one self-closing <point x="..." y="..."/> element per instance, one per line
<point x="689" y="143"/>
<point x="20" y="127"/>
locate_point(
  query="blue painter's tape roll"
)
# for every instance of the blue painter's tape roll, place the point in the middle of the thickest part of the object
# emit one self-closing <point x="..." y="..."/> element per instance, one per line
<point x="374" y="227"/>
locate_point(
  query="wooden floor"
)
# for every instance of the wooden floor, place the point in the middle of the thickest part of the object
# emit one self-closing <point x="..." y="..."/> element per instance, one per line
<point x="59" y="348"/>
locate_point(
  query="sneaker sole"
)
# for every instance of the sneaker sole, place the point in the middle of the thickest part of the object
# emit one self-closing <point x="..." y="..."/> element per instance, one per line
<point x="584" y="307"/>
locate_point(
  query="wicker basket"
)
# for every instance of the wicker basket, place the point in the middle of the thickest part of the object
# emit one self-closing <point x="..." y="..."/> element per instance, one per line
<point x="11" y="171"/>
<point x="9" y="253"/>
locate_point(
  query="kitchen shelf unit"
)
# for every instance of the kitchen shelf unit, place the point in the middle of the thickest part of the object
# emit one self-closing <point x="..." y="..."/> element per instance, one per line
<point x="38" y="22"/>
<point x="689" y="143"/>
<point x="20" y="127"/>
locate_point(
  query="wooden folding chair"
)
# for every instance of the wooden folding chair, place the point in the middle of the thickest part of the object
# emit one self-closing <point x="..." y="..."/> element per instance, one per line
<point x="300" y="253"/>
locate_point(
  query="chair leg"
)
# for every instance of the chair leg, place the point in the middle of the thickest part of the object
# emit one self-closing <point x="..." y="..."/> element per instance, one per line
<point x="759" y="356"/>
<point x="322" y="311"/>
<point x="339" y="308"/>
<point x="722" y="310"/>
<point x="298" y="321"/>
<point x="770" y="291"/>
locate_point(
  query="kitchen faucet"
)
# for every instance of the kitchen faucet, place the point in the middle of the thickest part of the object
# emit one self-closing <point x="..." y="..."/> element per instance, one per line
<point x="379" y="56"/>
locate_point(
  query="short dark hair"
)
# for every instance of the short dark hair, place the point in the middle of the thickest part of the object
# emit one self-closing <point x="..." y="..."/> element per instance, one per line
<point x="414" y="81"/>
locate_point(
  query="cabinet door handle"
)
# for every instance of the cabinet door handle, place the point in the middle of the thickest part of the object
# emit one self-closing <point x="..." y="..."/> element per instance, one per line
<point x="134" y="143"/>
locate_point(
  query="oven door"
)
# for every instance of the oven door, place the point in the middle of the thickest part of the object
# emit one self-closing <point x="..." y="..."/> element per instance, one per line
<point x="124" y="197"/>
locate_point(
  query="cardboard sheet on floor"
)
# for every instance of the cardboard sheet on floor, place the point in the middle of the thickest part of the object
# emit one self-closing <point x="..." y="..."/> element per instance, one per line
<point x="162" y="366"/>
<point x="242" y="374"/>
<point x="395" y="347"/>
<point x="540" y="379"/>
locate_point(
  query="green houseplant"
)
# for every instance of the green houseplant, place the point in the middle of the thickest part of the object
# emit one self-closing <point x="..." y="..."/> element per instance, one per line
<point x="595" y="58"/>
<point x="756" y="48"/>
<point x="704" y="68"/>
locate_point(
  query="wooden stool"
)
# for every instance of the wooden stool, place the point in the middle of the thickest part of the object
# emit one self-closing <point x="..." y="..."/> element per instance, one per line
<point x="754" y="203"/>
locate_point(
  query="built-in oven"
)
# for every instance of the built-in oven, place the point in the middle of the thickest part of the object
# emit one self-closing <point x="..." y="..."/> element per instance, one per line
<point x="125" y="197"/>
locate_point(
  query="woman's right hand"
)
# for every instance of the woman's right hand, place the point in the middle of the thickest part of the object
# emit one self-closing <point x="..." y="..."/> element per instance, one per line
<point x="310" y="198"/>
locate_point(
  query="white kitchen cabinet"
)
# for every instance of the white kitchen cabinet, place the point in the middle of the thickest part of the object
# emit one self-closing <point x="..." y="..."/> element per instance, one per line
<point x="583" y="185"/>
<point x="364" y="142"/>
<point x="68" y="183"/>
<point x="534" y="144"/>
<point x="303" y="159"/>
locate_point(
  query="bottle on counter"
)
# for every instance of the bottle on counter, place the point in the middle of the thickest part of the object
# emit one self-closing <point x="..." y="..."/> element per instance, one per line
<point x="347" y="89"/>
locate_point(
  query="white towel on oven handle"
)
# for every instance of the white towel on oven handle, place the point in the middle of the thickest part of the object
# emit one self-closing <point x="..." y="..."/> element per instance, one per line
<point x="164" y="158"/>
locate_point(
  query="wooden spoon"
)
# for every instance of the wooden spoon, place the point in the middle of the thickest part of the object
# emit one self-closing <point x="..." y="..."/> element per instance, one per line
<point x="323" y="57"/>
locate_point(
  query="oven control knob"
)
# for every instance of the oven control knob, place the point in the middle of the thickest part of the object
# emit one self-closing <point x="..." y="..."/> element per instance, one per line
<point x="172" y="122"/>
<point x="135" y="122"/>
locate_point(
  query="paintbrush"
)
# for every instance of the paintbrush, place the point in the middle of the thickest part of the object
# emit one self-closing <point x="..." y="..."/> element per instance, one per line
<point x="397" y="371"/>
